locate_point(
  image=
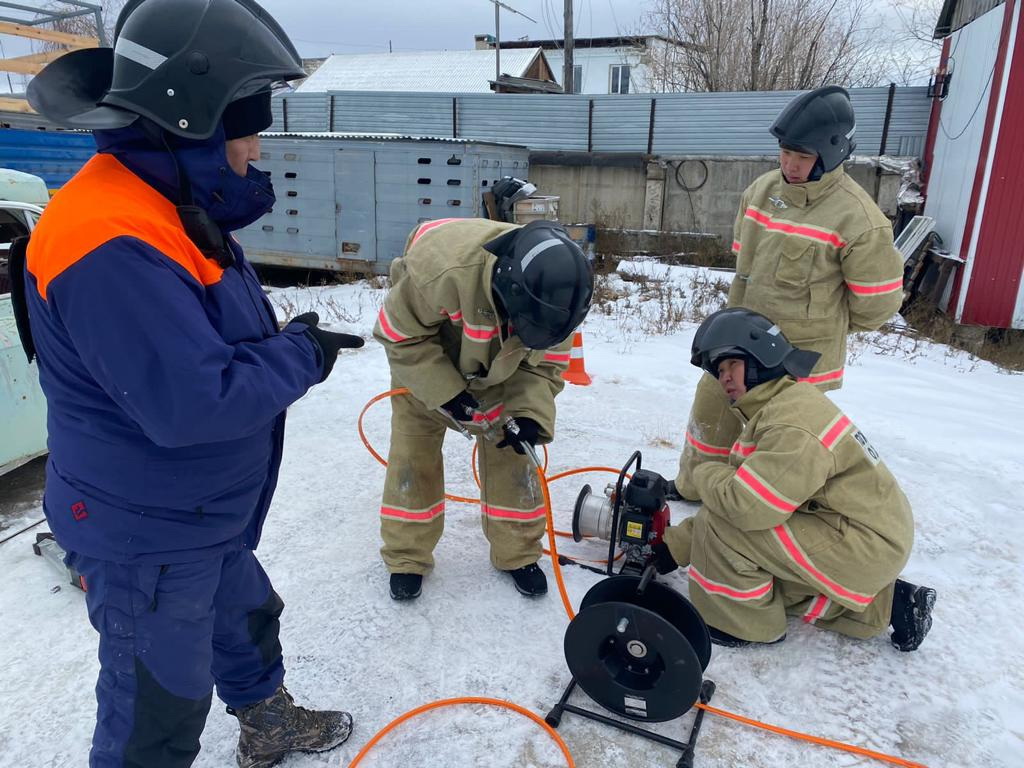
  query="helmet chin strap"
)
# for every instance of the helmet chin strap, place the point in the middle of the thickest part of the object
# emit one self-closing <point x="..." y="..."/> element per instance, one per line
<point x="751" y="373"/>
<point x="199" y="227"/>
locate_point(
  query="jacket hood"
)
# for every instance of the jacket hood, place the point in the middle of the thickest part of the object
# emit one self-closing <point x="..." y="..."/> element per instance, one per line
<point x="758" y="397"/>
<point x="232" y="201"/>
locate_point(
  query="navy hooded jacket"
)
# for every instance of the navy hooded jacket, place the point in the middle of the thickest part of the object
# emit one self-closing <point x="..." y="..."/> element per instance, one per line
<point x="165" y="374"/>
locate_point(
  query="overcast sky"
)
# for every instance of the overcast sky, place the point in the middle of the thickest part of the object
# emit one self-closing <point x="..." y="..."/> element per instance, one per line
<point x="320" y="27"/>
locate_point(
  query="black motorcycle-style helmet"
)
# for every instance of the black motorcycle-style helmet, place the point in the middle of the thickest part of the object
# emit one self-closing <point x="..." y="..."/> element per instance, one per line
<point x="820" y="122"/>
<point x="542" y="281"/>
<point x="178" y="63"/>
<point x="739" y="333"/>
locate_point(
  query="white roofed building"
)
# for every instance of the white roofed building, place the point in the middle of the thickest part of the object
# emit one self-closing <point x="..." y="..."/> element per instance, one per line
<point x="523" y="70"/>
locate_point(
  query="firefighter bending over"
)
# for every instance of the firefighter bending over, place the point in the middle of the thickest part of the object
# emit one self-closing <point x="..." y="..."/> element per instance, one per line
<point x="478" y="327"/>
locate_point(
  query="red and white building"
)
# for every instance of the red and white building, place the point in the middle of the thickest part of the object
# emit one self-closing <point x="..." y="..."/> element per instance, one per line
<point x="974" y="159"/>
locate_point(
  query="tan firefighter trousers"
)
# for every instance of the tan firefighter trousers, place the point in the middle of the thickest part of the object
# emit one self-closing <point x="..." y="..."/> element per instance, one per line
<point x="743" y="583"/>
<point x="413" y="507"/>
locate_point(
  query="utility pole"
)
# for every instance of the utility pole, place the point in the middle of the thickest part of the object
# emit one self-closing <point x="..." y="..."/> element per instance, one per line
<point x="498" y="5"/>
<point x="569" y="43"/>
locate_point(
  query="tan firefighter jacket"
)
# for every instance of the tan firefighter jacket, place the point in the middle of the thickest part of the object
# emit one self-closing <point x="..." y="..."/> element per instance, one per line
<point x="818" y="259"/>
<point x="799" y="456"/>
<point x="442" y="332"/>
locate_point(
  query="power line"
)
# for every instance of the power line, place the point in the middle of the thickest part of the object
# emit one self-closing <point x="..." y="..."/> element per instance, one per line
<point x="510" y="8"/>
<point x="611" y="8"/>
<point x="974" y="113"/>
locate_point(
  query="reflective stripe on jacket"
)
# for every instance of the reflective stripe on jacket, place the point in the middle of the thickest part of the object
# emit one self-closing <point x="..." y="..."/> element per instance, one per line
<point x="800" y="456"/>
<point x="818" y="259"/>
<point x="442" y="332"/>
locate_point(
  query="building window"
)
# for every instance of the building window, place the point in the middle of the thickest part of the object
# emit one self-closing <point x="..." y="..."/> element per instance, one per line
<point x="620" y="79"/>
<point x="577" y="78"/>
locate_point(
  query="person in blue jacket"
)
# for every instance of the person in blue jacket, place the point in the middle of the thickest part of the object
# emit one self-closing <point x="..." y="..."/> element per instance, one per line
<point x="167" y="379"/>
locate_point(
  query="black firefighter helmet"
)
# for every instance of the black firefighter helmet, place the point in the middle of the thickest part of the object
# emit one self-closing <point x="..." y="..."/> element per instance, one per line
<point x="176" y="62"/>
<point x="821" y="122"/>
<point x="744" y="334"/>
<point x="543" y="282"/>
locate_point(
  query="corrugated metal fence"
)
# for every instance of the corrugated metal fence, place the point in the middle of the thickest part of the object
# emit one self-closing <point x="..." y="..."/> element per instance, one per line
<point x="667" y="123"/>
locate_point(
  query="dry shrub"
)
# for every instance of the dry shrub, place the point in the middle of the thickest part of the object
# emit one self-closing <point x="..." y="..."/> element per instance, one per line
<point x="330" y="308"/>
<point x="1003" y="347"/>
<point x="645" y="304"/>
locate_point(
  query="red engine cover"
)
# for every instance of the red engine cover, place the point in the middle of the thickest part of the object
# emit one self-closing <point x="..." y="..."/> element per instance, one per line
<point x="662" y="520"/>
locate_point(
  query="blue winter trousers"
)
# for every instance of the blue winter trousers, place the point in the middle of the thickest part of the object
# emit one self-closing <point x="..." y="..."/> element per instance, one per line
<point x="168" y="633"/>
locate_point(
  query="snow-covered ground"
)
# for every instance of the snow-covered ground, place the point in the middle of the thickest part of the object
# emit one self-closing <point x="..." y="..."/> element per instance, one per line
<point x="949" y="427"/>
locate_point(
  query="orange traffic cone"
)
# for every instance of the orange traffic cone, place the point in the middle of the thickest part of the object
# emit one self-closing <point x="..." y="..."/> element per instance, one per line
<point x="577" y="373"/>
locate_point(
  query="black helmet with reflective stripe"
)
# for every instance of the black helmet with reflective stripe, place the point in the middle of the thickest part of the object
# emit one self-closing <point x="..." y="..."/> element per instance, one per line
<point x="738" y="333"/>
<point x="820" y="121"/>
<point x="176" y="62"/>
<point x="543" y="282"/>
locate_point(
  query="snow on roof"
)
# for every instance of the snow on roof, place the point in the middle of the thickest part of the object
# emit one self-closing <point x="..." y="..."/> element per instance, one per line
<point x="379" y="137"/>
<point x="436" y="71"/>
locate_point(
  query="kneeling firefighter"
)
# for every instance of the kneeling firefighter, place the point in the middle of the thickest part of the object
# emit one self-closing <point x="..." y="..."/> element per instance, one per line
<point x="478" y="327"/>
<point x="167" y="379"/>
<point x="804" y="519"/>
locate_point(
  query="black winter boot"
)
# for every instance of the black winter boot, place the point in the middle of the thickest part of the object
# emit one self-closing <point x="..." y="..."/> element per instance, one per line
<point x="911" y="616"/>
<point x="406" y="586"/>
<point x="530" y="580"/>
<point x="274" y="727"/>
<point x="724" y="639"/>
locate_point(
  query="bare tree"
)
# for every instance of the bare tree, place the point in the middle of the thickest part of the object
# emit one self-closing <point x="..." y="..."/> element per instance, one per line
<point x="914" y="53"/>
<point x="84" y="25"/>
<point x="762" y="45"/>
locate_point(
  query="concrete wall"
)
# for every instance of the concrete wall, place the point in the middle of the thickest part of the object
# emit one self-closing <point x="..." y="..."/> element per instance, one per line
<point x="611" y="197"/>
<point x="635" y="192"/>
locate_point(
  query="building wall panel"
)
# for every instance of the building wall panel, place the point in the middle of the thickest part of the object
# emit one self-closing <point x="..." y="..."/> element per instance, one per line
<point x="961" y="125"/>
<point x="994" y="290"/>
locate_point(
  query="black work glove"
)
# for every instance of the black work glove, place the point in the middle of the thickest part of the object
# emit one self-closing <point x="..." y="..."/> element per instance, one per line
<point x="662" y="558"/>
<point x="329" y="342"/>
<point x="671" y="492"/>
<point x="462" y="406"/>
<point x="529" y="431"/>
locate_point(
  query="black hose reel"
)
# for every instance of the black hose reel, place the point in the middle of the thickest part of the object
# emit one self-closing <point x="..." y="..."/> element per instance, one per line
<point x="639" y="649"/>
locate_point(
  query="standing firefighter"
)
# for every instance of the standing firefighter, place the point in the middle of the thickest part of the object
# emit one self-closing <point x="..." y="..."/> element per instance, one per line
<point x="167" y="379"/>
<point x="804" y="519"/>
<point x="477" y="326"/>
<point x="813" y="252"/>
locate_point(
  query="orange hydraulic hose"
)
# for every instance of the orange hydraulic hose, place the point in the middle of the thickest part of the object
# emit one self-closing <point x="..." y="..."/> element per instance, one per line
<point x="381" y="459"/>
<point x="554" y="548"/>
<point x="544" y="481"/>
<point x="808" y="737"/>
<point x="464" y="700"/>
<point x="464" y="499"/>
<point x="476" y="475"/>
